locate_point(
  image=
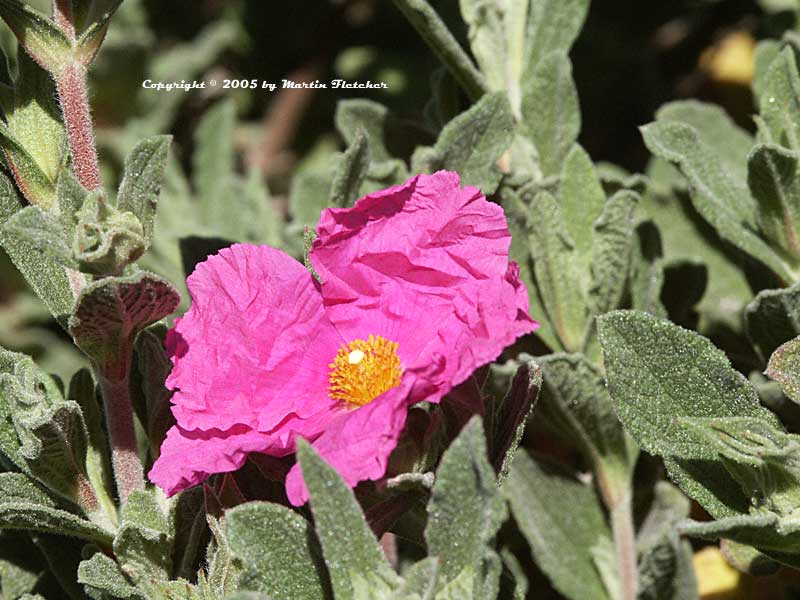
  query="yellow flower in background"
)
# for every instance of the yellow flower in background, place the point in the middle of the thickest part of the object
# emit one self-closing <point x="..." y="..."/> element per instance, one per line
<point x="732" y="60"/>
<point x="716" y="579"/>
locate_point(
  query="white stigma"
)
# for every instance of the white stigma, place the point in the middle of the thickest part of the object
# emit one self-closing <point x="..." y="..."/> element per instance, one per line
<point x="355" y="357"/>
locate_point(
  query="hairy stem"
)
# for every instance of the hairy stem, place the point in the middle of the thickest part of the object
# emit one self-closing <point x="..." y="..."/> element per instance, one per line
<point x="74" y="99"/>
<point x="615" y="490"/>
<point x="625" y="547"/>
<point x="128" y="470"/>
<point x="435" y="33"/>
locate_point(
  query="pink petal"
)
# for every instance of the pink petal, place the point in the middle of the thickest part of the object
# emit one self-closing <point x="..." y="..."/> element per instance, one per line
<point x="190" y="457"/>
<point x="254" y="348"/>
<point x="357" y="443"/>
<point x="426" y="265"/>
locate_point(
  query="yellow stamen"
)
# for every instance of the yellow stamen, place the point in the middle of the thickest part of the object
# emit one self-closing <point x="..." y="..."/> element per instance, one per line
<point x="364" y="369"/>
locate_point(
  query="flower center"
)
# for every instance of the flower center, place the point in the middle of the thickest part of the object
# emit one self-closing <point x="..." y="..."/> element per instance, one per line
<point x="364" y="369"/>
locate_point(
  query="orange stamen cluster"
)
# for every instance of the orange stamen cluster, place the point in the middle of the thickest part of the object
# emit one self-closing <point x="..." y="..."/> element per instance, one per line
<point x="364" y="369"/>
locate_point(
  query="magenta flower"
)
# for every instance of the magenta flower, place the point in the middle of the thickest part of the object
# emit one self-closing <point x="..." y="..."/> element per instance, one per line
<point x="417" y="292"/>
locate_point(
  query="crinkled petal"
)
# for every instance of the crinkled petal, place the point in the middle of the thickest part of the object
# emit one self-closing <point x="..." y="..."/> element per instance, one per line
<point x="357" y="443"/>
<point x="255" y="346"/>
<point x="426" y="265"/>
<point x="190" y="457"/>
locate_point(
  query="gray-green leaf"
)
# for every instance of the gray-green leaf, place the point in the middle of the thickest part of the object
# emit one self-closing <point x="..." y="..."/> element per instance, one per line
<point x="773" y="318"/>
<point x="465" y="510"/>
<point x="560" y="540"/>
<point x="718" y="194"/>
<point x="351" y="551"/>
<point x="779" y="101"/>
<point x="277" y="550"/>
<point x="556" y="272"/>
<point x="473" y="142"/>
<point x="351" y="173"/>
<point x="774" y="179"/>
<point x="141" y="183"/>
<point x="658" y="371"/>
<point x="550" y="112"/>
<point x="612" y="241"/>
<point x="575" y="401"/>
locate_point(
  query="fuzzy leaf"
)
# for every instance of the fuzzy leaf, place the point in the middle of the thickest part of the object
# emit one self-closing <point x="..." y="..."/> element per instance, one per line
<point x="110" y="312"/>
<point x="582" y="202"/>
<point x="779" y="102"/>
<point x="550" y="112"/>
<point x="222" y="570"/>
<point x="486" y="32"/>
<point x="520" y="216"/>
<point x="98" y="469"/>
<point x="70" y="195"/>
<point x="553" y="25"/>
<point x="765" y="531"/>
<point x="309" y="194"/>
<point x="40" y="37"/>
<point x="665" y="560"/>
<point x="658" y="372"/>
<point x="669" y="507"/>
<point x="420" y="580"/>
<point x="774" y="179"/>
<point x="666" y="572"/>
<point x="517" y="571"/>
<point x="773" y="318"/>
<point x="351" y="173"/>
<point x="41" y="232"/>
<point x="506" y="419"/>
<point x="356" y="114"/>
<point x="32" y="181"/>
<point x="277" y="550"/>
<point x="33" y="137"/>
<point x="351" y="551"/>
<point x="141" y="183"/>
<point x="687" y="238"/>
<point x="187" y="60"/>
<point x="473" y="142"/>
<point x="36" y="517"/>
<point x="730" y="143"/>
<point x="719" y="196"/>
<point x="54" y="448"/>
<point x="91" y="20"/>
<point x="560" y="540"/>
<point x="214" y="160"/>
<point x="784" y="367"/>
<point x="766" y="51"/>
<point x="575" y="402"/>
<point x="612" y="240"/>
<point x="101" y="575"/>
<point x="747" y="559"/>
<point x="143" y="544"/>
<point x="557" y="275"/>
<point x="761" y="457"/>
<point x="432" y="29"/>
<point x="465" y="509"/>
<point x="48" y="437"/>
<point x="18" y="487"/>
<point x="647" y="270"/>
